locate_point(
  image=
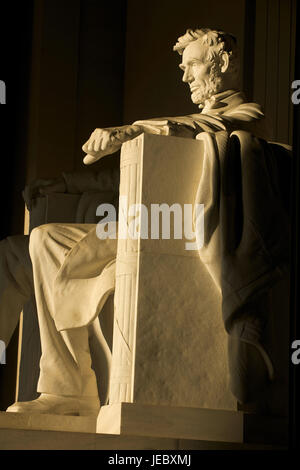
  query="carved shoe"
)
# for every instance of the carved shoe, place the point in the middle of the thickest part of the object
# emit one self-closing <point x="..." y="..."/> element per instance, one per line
<point x="58" y="405"/>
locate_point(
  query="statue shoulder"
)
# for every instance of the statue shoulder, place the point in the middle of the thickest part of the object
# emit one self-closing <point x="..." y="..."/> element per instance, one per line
<point x="245" y="112"/>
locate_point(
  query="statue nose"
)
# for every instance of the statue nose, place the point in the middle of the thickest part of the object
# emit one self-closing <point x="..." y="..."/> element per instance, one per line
<point x="187" y="76"/>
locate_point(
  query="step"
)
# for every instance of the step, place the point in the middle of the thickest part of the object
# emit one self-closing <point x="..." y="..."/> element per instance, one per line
<point x="136" y="426"/>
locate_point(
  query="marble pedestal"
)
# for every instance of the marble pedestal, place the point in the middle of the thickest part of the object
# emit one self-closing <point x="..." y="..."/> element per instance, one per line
<point x="169" y="342"/>
<point x="133" y="426"/>
<point x="176" y="422"/>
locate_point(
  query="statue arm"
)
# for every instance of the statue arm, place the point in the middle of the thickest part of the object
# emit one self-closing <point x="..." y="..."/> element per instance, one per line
<point x="106" y="141"/>
<point x="191" y="125"/>
<point x="183" y="126"/>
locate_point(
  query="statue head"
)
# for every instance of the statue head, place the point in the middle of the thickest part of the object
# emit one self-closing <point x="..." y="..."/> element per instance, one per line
<point x="210" y="62"/>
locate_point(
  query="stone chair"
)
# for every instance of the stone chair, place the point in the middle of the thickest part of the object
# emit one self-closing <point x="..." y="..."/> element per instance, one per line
<point x="160" y="355"/>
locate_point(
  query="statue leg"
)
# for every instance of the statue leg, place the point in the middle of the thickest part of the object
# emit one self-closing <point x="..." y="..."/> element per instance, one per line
<point x="67" y="382"/>
<point x="16" y="282"/>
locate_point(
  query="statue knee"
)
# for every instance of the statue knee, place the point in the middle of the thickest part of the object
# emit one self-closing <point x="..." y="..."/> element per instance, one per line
<point x="37" y="238"/>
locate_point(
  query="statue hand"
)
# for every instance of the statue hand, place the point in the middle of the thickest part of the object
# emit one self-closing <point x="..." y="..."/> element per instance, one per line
<point x="107" y="141"/>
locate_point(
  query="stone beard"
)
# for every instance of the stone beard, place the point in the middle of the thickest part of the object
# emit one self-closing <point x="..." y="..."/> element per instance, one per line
<point x="210" y="87"/>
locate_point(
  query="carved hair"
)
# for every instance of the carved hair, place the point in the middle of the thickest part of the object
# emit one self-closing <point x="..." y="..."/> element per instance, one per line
<point x="216" y="42"/>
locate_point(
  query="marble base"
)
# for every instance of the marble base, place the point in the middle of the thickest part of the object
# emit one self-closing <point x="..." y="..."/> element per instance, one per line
<point x="19" y="439"/>
<point x="47" y="422"/>
<point x="132" y="426"/>
<point x="172" y="422"/>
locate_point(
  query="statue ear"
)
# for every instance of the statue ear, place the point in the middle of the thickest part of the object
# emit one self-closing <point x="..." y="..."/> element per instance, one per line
<point x="224" y="61"/>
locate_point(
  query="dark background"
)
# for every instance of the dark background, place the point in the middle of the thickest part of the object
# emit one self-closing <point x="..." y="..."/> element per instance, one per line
<point x="15" y="47"/>
<point x="73" y="65"/>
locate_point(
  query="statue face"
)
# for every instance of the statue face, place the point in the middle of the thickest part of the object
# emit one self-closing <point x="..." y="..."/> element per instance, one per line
<point x="202" y="75"/>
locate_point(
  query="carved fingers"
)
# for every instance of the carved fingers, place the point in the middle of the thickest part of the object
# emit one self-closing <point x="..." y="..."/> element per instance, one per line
<point x="101" y="142"/>
<point x="107" y="141"/>
<point x="100" y="139"/>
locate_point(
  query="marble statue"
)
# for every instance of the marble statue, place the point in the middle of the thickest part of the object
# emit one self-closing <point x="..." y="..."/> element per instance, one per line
<point x="74" y="271"/>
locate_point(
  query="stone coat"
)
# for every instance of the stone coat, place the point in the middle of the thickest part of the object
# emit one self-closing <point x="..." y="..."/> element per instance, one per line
<point x="244" y="189"/>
